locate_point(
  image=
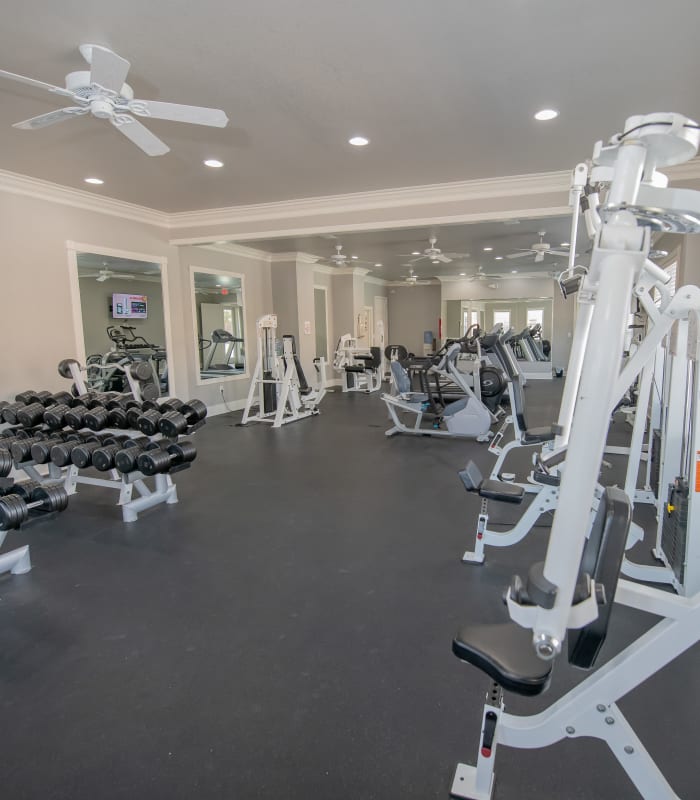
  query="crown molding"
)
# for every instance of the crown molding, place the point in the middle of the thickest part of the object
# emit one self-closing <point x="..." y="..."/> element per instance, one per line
<point x="382" y="199"/>
<point x="419" y="282"/>
<point x="303" y="258"/>
<point x="233" y="249"/>
<point x="377" y="281"/>
<point x="15" y="183"/>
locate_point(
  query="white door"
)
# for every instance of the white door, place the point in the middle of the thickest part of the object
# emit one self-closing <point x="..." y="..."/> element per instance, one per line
<point x="381" y="315"/>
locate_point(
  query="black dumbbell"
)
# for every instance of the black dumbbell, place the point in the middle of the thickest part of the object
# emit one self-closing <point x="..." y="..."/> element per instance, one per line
<point x="96" y="418"/>
<point x="9" y="413"/>
<point x="14" y="510"/>
<point x="47" y="399"/>
<point x="11" y="434"/>
<point x="24" y="489"/>
<point x="61" y="454"/>
<point x="41" y="451"/>
<point x="75" y="416"/>
<point x="126" y="459"/>
<point x="25" y="397"/>
<point x="81" y="454"/>
<point x="31" y="415"/>
<point x="124" y="401"/>
<point x="173" y="423"/>
<point x="103" y="457"/>
<point x="55" y="416"/>
<point x="5" y="463"/>
<point x="148" y="421"/>
<point x="21" y="449"/>
<point x="155" y="461"/>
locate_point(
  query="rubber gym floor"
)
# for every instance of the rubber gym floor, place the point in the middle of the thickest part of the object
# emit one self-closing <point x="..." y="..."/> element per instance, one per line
<point x="285" y="631"/>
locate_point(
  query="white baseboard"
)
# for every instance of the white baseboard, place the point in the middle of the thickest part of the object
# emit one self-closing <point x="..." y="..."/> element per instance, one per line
<point x="224" y="408"/>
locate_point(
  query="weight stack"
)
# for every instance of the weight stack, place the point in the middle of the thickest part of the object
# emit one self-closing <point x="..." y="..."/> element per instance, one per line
<point x="269" y="394"/>
<point x="674" y="530"/>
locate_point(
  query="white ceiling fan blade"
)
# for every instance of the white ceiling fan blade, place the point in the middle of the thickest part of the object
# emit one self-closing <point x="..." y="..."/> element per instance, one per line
<point x="140" y="135"/>
<point x="197" y="115"/>
<point x="108" y="69"/>
<point x="564" y="253"/>
<point x="539" y="258"/>
<point x="43" y="120"/>
<point x="49" y="87"/>
<point x="520" y="255"/>
<point x="442" y="257"/>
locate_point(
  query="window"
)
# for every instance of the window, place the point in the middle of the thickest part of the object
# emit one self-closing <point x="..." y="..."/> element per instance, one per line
<point x="502" y="318"/>
<point x="535" y="316"/>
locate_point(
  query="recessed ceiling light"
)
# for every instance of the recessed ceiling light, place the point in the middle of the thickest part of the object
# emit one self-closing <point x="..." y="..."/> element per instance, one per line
<point x="218" y="285"/>
<point x="358" y="141"/>
<point x="488" y="249"/>
<point x="379" y="265"/>
<point x="435" y="261"/>
<point x="96" y="181"/>
<point x="498" y="258"/>
<point x="564" y="244"/>
<point x="462" y="274"/>
<point x="546" y="114"/>
<point x="213" y="162"/>
<point x="222" y="241"/>
<point x="415" y="253"/>
<point x="354" y="257"/>
<point x="514" y="271"/>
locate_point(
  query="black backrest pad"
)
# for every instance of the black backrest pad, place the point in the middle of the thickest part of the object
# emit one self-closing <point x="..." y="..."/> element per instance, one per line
<point x="376" y="356"/>
<point x="303" y="385"/>
<point x="602" y="559"/>
<point x="471" y="477"/>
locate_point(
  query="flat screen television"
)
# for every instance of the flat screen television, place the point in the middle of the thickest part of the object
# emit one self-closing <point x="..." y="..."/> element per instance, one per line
<point x="129" y="306"/>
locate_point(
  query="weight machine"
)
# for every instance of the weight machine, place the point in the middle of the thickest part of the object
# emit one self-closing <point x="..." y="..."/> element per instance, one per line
<point x="575" y="587"/>
<point x="278" y="391"/>
<point x="361" y="366"/>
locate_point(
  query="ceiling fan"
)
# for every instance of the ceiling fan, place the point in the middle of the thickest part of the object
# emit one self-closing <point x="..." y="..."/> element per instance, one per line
<point x="105" y="273"/>
<point x="412" y="279"/>
<point x="103" y="93"/>
<point x="434" y="254"/>
<point x="539" y="249"/>
<point x="340" y="259"/>
<point x="480" y="275"/>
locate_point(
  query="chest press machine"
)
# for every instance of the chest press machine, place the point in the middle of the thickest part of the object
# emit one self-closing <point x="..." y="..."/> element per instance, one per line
<point x="279" y="392"/>
<point x="575" y="587"/>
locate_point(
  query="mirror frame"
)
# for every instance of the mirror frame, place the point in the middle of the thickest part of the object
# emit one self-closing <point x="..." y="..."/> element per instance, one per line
<point x="214" y="380"/>
<point x="72" y="250"/>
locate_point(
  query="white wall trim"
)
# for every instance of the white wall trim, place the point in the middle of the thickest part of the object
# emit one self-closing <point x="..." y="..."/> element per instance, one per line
<point x="233" y="249"/>
<point x="402" y="197"/>
<point x="15" y="183"/>
<point x="303" y="258"/>
<point x="377" y="281"/>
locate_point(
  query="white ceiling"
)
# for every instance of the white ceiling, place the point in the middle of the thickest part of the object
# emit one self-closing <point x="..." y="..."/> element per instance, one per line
<point x="446" y="90"/>
<point x="385" y="247"/>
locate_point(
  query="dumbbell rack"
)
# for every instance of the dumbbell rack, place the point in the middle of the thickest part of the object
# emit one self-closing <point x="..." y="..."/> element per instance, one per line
<point x="164" y="489"/>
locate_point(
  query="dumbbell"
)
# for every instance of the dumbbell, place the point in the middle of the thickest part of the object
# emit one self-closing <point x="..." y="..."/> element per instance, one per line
<point x="41" y="451"/>
<point x="31" y="415"/>
<point x="55" y="417"/>
<point x="173" y="423"/>
<point x="25" y="397"/>
<point x="21" y="449"/>
<point x="126" y="459"/>
<point x="23" y="489"/>
<point x="11" y="434"/>
<point x="103" y="457"/>
<point x="61" y="454"/>
<point x="9" y="413"/>
<point x="148" y="421"/>
<point x="5" y="463"/>
<point x="81" y="454"/>
<point x="14" y="510"/>
<point x="155" y="461"/>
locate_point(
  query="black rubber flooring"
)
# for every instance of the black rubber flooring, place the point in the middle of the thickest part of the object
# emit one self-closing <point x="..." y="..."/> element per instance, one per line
<point x="285" y="631"/>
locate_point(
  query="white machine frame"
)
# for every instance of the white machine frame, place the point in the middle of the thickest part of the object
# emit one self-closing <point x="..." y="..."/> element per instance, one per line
<point x="347" y="355"/>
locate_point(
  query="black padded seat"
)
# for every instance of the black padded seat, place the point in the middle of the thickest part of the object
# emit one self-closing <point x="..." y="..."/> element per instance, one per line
<point x="356" y="368"/>
<point x="538" y="435"/>
<point x="505" y="653"/>
<point x="501" y="490"/>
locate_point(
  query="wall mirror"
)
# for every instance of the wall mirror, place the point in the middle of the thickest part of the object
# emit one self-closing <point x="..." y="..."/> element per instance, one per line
<point x="218" y="299"/>
<point x="123" y="322"/>
<point x="531" y="315"/>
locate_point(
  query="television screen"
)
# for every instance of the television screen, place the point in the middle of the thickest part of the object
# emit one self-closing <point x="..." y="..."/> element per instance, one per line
<point x="129" y="306"/>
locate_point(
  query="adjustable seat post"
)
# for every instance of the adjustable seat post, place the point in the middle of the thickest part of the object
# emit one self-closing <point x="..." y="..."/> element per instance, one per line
<point x="477" y="784"/>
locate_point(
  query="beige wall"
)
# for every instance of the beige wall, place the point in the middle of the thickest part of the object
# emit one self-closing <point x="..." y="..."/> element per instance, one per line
<point x="413" y="310"/>
<point x="37" y="315"/>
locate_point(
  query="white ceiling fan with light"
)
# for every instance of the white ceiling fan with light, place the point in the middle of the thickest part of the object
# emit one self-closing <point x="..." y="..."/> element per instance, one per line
<point x="434" y="254"/>
<point x="340" y="259"/>
<point x="539" y="250"/>
<point x="480" y="275"/>
<point x="102" y="92"/>
<point x="105" y="273"/>
<point x="412" y="279"/>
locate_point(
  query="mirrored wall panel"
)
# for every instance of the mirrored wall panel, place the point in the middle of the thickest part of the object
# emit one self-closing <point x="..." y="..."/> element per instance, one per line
<point x="528" y="321"/>
<point x="121" y="302"/>
<point x="219" y="314"/>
